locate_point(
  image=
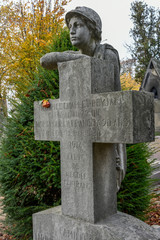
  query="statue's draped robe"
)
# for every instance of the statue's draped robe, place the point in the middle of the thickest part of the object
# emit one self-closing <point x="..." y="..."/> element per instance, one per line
<point x="107" y="52"/>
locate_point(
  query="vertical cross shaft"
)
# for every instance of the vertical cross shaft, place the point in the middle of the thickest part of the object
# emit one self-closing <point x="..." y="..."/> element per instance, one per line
<point x="88" y="169"/>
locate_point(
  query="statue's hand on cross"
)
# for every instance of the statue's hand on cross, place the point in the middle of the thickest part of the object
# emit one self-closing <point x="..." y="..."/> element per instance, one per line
<point x="50" y="60"/>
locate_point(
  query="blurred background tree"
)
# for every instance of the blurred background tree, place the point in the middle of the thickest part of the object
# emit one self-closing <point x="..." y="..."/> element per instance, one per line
<point x="146" y="36"/>
<point x="128" y="82"/>
<point x="127" y="75"/>
<point x="26" y="29"/>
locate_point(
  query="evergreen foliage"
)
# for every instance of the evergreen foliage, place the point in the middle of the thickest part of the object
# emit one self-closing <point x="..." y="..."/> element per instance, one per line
<point x="134" y="195"/>
<point x="146" y="36"/>
<point x="29" y="169"/>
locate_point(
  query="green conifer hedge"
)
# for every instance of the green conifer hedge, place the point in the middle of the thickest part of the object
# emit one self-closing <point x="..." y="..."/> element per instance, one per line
<point x="135" y="192"/>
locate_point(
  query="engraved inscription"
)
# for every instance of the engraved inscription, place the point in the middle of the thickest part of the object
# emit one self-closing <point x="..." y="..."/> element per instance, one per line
<point x="67" y="114"/>
<point x="75" y="145"/>
<point x="76" y="184"/>
<point x="76" y="234"/>
<point x="74" y="177"/>
<point x="77" y="175"/>
<point x="41" y="236"/>
<point x="88" y="117"/>
<point x="96" y="118"/>
<point x="89" y="127"/>
<point x="89" y="103"/>
<point x="67" y="234"/>
<point x="74" y="157"/>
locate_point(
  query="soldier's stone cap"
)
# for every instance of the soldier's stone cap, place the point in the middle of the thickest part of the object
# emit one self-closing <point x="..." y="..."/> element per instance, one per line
<point x="87" y="13"/>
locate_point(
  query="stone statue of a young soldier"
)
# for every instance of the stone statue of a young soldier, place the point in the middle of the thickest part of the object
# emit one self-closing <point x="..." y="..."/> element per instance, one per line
<point x="85" y="33"/>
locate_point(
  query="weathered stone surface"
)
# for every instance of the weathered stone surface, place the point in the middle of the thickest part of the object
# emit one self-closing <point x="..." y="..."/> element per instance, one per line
<point x="52" y="225"/>
<point x="87" y="124"/>
<point x="113" y="117"/>
<point x="151" y="81"/>
<point x="88" y="184"/>
<point x="157" y="115"/>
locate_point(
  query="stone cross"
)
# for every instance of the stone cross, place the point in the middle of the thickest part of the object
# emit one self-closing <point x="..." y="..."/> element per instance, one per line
<point x="88" y="124"/>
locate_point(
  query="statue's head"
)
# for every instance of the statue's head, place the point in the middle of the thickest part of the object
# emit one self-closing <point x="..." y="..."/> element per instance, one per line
<point x="89" y="18"/>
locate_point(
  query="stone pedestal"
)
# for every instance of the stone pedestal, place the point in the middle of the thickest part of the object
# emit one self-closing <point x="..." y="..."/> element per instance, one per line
<point x="52" y="225"/>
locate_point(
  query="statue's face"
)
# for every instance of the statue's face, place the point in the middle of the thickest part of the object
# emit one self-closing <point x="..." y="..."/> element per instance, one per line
<point x="80" y="35"/>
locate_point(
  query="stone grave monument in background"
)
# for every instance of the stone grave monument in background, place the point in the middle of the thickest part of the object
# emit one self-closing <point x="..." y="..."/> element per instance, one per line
<point x="151" y="83"/>
<point x="89" y="119"/>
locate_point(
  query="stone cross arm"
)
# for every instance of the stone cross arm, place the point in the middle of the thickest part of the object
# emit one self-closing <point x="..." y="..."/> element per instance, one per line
<point x="112" y="117"/>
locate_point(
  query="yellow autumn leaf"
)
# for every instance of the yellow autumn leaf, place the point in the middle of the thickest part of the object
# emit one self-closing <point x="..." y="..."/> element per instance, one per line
<point x="128" y="83"/>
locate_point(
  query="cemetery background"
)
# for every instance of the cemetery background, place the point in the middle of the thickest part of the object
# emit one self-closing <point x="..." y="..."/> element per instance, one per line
<point x="30" y="94"/>
<point x="24" y="134"/>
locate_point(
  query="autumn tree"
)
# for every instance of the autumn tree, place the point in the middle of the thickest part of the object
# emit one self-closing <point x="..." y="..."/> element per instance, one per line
<point x="128" y="82"/>
<point x="128" y="66"/>
<point x="26" y="29"/>
<point x="127" y="75"/>
<point x="146" y="36"/>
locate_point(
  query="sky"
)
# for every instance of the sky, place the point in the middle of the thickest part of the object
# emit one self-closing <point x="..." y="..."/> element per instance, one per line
<point x="116" y="23"/>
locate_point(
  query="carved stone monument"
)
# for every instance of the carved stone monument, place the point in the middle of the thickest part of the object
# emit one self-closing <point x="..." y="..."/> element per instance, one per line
<point x="90" y="119"/>
<point x="87" y="124"/>
<point x="151" y="83"/>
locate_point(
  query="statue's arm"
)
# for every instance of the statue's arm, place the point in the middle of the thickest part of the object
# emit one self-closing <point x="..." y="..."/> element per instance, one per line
<point x="50" y="60"/>
<point x="114" y="59"/>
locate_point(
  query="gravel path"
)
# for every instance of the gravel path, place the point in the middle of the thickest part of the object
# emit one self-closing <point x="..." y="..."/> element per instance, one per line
<point x="3" y="236"/>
